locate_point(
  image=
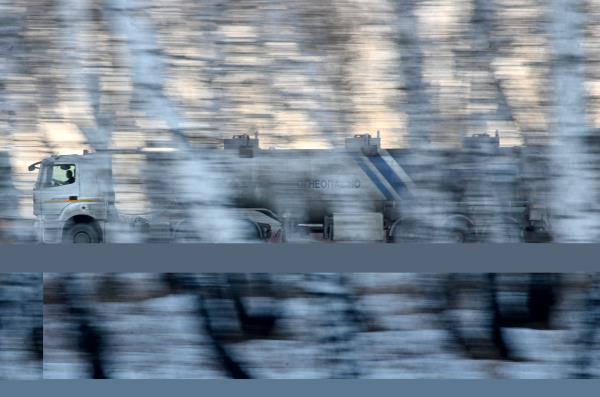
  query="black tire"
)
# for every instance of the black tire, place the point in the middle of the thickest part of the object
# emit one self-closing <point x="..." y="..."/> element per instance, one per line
<point x="81" y="233"/>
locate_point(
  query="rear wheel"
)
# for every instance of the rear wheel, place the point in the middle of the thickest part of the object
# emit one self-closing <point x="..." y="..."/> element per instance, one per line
<point x="81" y="233"/>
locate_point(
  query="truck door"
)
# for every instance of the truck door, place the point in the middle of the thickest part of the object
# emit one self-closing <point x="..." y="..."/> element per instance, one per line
<point x="57" y="186"/>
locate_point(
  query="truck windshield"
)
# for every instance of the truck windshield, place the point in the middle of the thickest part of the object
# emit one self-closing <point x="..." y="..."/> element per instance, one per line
<point x="58" y="175"/>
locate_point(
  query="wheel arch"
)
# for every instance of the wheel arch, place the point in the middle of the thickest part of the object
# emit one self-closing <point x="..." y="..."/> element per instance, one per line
<point x="81" y="218"/>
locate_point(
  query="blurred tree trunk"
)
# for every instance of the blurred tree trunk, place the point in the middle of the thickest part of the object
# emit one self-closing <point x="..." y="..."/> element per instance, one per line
<point x="589" y="331"/>
<point x="326" y="31"/>
<point x="201" y="203"/>
<point x="429" y="211"/>
<point x="575" y="168"/>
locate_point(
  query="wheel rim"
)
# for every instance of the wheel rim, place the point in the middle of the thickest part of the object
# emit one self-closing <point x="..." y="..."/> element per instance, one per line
<point x="82" y="238"/>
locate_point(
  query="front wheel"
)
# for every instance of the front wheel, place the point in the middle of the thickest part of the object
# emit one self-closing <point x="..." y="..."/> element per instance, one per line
<point x="81" y="233"/>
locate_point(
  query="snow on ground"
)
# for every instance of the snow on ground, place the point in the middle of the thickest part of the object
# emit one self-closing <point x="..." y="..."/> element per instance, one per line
<point x="162" y="337"/>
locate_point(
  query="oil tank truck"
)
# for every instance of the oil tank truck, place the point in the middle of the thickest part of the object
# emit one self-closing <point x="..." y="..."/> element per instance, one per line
<point x="359" y="192"/>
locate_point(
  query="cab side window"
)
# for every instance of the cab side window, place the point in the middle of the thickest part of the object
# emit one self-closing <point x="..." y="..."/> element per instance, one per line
<point x="60" y="175"/>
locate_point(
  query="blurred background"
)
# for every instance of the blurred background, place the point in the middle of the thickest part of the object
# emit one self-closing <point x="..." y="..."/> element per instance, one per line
<point x="21" y="334"/>
<point x="184" y="74"/>
<point x="321" y="325"/>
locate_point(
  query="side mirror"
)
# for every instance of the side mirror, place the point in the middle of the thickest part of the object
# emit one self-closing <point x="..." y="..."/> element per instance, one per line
<point x="33" y="166"/>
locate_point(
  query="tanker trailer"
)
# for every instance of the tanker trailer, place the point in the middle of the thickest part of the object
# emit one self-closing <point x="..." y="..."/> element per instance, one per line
<point x="360" y="192"/>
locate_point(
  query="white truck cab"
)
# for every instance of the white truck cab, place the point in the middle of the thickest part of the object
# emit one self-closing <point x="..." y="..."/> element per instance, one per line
<point x="73" y="198"/>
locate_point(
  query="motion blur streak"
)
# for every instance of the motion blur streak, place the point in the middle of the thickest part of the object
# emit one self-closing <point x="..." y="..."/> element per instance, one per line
<point x="321" y="325"/>
<point x="183" y="76"/>
<point x="21" y="335"/>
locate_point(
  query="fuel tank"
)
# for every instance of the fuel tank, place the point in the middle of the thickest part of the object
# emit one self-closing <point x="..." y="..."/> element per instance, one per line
<point x="309" y="184"/>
